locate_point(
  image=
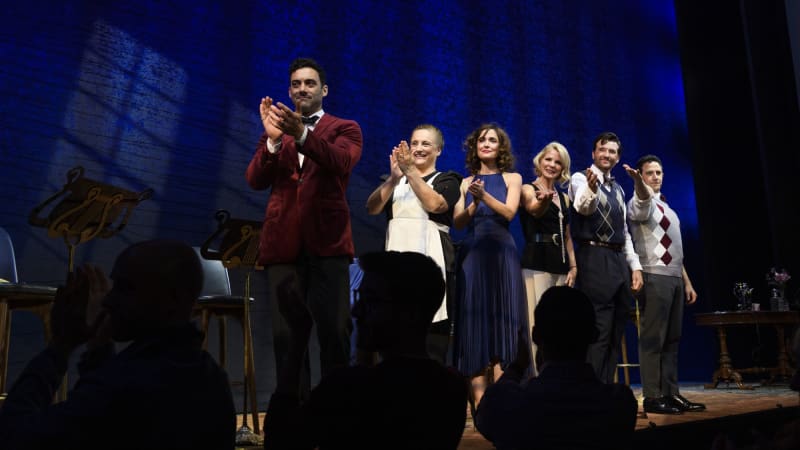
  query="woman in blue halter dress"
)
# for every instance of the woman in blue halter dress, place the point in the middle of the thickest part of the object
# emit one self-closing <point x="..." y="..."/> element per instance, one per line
<point x="491" y="294"/>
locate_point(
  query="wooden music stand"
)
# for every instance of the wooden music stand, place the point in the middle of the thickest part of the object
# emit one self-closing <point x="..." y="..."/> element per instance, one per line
<point x="236" y="241"/>
<point x="82" y="210"/>
<point x="85" y="209"/>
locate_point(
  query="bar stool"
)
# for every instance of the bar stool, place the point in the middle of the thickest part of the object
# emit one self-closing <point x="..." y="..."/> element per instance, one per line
<point x="626" y="365"/>
<point x="217" y="301"/>
<point x="18" y="297"/>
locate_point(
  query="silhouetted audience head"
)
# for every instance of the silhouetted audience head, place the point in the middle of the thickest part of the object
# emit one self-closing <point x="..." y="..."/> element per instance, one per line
<point x="397" y="299"/>
<point x="155" y="286"/>
<point x="565" y="324"/>
<point x="164" y="369"/>
<point x="360" y="406"/>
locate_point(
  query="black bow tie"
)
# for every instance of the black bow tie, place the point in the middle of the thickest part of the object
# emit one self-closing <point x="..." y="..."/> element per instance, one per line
<point x="608" y="179"/>
<point x="309" y="120"/>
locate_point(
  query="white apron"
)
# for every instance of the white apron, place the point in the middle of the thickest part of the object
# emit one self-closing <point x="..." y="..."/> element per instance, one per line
<point x="410" y="230"/>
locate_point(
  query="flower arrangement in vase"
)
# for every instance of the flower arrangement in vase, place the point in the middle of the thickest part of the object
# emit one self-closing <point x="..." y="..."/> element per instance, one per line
<point x="776" y="281"/>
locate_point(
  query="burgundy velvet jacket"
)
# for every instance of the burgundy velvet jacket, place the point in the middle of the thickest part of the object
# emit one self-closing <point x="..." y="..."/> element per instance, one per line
<point x="307" y="207"/>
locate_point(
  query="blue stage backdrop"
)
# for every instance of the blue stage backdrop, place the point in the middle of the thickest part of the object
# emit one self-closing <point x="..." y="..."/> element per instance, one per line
<point x="165" y="94"/>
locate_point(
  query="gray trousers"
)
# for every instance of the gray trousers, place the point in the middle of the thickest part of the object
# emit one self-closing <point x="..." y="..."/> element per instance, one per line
<point x="661" y="301"/>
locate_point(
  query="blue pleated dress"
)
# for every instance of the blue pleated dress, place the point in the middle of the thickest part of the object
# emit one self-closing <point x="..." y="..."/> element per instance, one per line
<point x="491" y="292"/>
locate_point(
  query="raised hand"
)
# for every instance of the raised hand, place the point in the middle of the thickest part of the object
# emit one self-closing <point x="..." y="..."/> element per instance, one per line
<point x="643" y="191"/>
<point x="97" y="318"/>
<point x="269" y="121"/>
<point x="99" y="286"/>
<point x="394" y="168"/>
<point x="592" y="180"/>
<point x="633" y="173"/>
<point x="544" y="194"/>
<point x="287" y="121"/>
<point x="68" y="315"/>
<point x="404" y="158"/>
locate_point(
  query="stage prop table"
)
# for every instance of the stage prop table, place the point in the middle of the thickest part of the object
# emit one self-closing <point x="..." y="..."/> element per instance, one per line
<point x="722" y="320"/>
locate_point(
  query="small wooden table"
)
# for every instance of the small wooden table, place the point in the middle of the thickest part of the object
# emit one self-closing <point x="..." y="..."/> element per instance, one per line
<point x="722" y="320"/>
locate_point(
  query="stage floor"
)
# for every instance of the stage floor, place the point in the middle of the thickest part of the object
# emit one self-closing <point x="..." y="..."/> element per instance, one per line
<point x="721" y="402"/>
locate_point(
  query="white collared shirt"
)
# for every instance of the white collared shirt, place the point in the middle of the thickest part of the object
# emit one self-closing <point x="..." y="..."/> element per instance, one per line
<point x="585" y="202"/>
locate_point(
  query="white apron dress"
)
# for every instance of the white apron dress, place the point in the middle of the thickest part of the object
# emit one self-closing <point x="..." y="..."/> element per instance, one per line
<point x="410" y="230"/>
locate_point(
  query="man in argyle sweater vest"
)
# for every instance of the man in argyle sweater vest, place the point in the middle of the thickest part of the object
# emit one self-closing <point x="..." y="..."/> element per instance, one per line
<point x="656" y="234"/>
<point x="608" y="268"/>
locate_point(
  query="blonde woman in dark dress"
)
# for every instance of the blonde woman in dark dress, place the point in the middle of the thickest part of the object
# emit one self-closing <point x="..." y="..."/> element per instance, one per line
<point x="549" y="258"/>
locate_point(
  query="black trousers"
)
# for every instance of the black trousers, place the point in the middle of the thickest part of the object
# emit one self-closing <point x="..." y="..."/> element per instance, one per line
<point x="604" y="276"/>
<point x="324" y="283"/>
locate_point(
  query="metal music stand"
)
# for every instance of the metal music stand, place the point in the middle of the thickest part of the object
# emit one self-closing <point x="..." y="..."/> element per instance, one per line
<point x="82" y="210"/>
<point x="236" y="241"/>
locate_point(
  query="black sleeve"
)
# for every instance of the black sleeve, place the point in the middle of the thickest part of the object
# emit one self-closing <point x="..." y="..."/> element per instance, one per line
<point x="447" y="184"/>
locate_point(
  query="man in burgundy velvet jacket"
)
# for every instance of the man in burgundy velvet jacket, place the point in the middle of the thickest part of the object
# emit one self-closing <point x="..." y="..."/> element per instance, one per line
<point x="306" y="157"/>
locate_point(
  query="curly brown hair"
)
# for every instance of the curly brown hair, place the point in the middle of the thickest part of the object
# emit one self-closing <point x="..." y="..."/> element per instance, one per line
<point x="505" y="159"/>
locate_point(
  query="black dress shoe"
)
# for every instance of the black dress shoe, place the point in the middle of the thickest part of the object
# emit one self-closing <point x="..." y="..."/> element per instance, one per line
<point x="661" y="405"/>
<point x="685" y="405"/>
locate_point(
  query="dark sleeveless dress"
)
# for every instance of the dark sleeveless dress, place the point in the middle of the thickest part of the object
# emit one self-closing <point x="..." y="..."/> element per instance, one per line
<point x="491" y="293"/>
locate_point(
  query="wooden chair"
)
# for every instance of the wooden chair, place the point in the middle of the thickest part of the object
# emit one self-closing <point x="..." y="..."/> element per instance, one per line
<point x="18" y="297"/>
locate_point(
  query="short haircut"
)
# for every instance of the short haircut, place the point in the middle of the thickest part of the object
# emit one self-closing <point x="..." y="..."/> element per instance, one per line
<point x="565" y="161"/>
<point x="505" y="158"/>
<point x="607" y="136"/>
<point x="565" y="321"/>
<point x="413" y="279"/>
<point x="435" y="130"/>
<point x="173" y="262"/>
<point x="648" y="159"/>
<point x="300" y="63"/>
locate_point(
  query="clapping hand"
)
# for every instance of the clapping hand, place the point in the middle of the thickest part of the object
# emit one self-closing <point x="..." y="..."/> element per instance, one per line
<point x="97" y="317"/>
<point x="77" y="312"/>
<point x="278" y="119"/>
<point x="269" y="121"/>
<point x="404" y="157"/>
<point x="476" y="189"/>
<point x="394" y="168"/>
